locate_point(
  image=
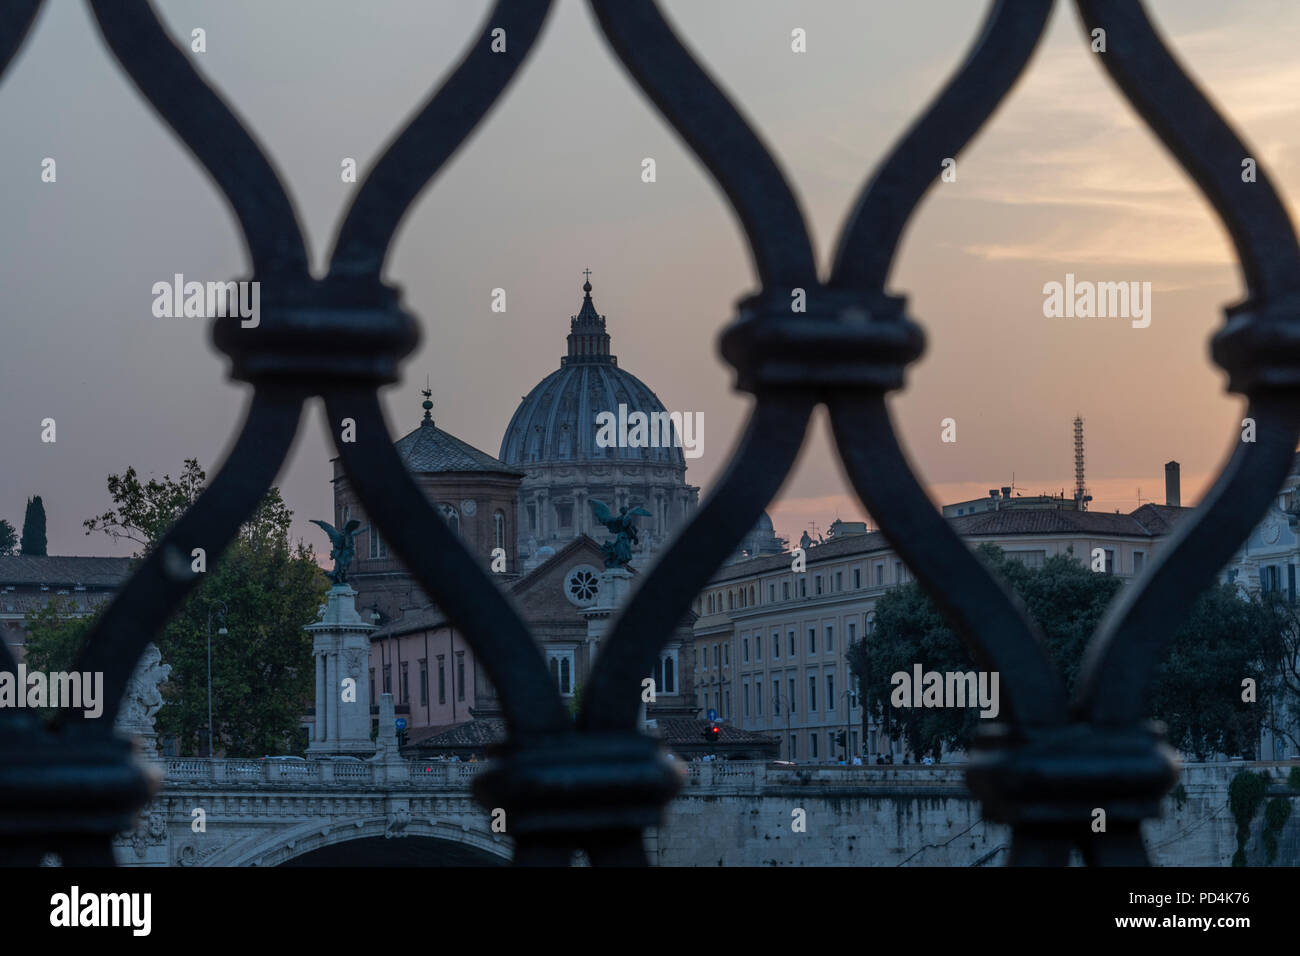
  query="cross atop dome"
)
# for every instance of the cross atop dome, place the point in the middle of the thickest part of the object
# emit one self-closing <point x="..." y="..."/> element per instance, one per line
<point x="588" y="340"/>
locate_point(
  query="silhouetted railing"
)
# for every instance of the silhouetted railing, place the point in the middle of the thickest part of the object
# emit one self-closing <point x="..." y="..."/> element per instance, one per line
<point x="597" y="784"/>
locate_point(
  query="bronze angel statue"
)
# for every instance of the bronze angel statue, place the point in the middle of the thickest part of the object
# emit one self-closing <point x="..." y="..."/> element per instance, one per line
<point x="342" y="550"/>
<point x="619" y="551"/>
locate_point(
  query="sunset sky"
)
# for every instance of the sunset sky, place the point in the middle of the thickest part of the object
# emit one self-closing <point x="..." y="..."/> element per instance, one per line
<point x="1065" y="179"/>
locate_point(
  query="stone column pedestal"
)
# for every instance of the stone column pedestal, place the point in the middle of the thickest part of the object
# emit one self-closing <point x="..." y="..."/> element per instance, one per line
<point x="341" y="642"/>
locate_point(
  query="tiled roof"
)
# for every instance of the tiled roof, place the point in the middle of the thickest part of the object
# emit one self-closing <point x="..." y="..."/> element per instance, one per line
<point x="58" y="571"/>
<point x="1148" y="521"/>
<point x="479" y="732"/>
<point x="84" y="602"/>
<point x="679" y="730"/>
<point x="430" y="449"/>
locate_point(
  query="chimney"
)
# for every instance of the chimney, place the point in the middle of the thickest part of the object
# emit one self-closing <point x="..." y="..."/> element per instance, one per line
<point x="1172" y="496"/>
<point x="1006" y="491"/>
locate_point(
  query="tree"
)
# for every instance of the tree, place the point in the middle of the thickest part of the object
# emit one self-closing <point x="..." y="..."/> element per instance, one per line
<point x="8" y="538"/>
<point x="54" y="635"/>
<point x="1224" y="640"/>
<point x="262" y="590"/>
<point x="34" y="527"/>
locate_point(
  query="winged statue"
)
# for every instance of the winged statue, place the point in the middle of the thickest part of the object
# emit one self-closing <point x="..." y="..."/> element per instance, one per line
<point x="623" y="526"/>
<point x="342" y="550"/>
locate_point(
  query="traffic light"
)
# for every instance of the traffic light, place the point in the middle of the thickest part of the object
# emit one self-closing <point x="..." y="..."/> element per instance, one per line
<point x="839" y="739"/>
<point x="712" y="732"/>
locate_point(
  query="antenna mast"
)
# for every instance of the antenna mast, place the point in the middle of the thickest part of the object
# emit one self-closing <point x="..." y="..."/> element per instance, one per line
<point x="1081" y="496"/>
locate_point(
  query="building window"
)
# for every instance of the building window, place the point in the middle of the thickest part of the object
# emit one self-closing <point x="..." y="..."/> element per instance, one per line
<point x="753" y="595"/>
<point x="1110" y="560"/>
<point x="717" y="656"/>
<point x="794" y="703"/>
<point x="830" y="691"/>
<point x="378" y="549"/>
<point x="839" y="580"/>
<point x="880" y="575"/>
<point x="726" y="654"/>
<point x="776" y="647"/>
<point x="758" y="698"/>
<point x="794" y="748"/>
<point x="744" y="700"/>
<point x="812" y="640"/>
<point x="460" y="675"/>
<point x="812" y="743"/>
<point x="424" y="682"/>
<point x="388" y="678"/>
<point x="898" y="572"/>
<point x="731" y="600"/>
<point x="372" y="685"/>
<point x="564" y="515"/>
<point x="499" y="530"/>
<point x="853" y="631"/>
<point x="561" y="663"/>
<point x="531" y="508"/>
<point x="442" y="680"/>
<point x="1138" y="559"/>
<point x="726" y="706"/>
<point x="793" y="650"/>
<point x="803" y="587"/>
<point x="406" y="683"/>
<point x="819" y="584"/>
<point x="758" y="646"/>
<point x="451" y="516"/>
<point x="771" y="592"/>
<point x="667" y="677"/>
<point x="710" y="603"/>
<point x="830" y="638"/>
<point x="785" y="590"/>
<point x="744" y="650"/>
<point x="812" y="693"/>
<point x="857" y="578"/>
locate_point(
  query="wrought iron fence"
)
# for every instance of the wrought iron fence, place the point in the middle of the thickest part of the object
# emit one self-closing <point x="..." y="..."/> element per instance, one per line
<point x="596" y="784"/>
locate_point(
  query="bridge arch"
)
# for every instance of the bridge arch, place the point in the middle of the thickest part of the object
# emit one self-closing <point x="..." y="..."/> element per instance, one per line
<point x="314" y="844"/>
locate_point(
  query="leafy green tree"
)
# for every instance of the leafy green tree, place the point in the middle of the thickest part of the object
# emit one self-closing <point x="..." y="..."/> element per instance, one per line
<point x="34" y="527"/>
<point x="1198" y="687"/>
<point x="8" y="538"/>
<point x="54" y="635"/>
<point x="262" y="591"/>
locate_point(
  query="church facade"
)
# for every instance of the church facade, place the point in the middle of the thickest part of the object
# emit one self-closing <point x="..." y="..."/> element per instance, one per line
<point x="534" y="504"/>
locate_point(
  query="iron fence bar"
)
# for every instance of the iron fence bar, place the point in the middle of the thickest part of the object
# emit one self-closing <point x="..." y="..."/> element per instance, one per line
<point x="763" y="458"/>
<point x="16" y="19"/>
<point x="598" y="785"/>
<point x="166" y="76"/>
<point x="449" y="573"/>
<point x="870" y="237"/>
<point x="441" y="126"/>
<point x="990" y="620"/>
<point x="718" y="134"/>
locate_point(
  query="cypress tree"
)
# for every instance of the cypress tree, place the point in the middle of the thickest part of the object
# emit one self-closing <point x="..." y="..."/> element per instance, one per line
<point x="34" y="527"/>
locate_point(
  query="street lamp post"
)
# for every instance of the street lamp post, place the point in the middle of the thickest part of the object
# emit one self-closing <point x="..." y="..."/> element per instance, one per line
<point x="221" y="632"/>
<point x="776" y="699"/>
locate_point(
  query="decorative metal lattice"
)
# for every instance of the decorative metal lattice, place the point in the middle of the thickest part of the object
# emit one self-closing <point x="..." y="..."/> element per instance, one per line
<point x="597" y="784"/>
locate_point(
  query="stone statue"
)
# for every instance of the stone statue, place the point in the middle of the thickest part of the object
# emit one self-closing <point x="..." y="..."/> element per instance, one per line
<point x="143" y="699"/>
<point x="342" y="550"/>
<point x="618" y="553"/>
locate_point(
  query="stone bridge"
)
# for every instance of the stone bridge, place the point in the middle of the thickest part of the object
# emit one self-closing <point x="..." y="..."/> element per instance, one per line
<point x="740" y="813"/>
